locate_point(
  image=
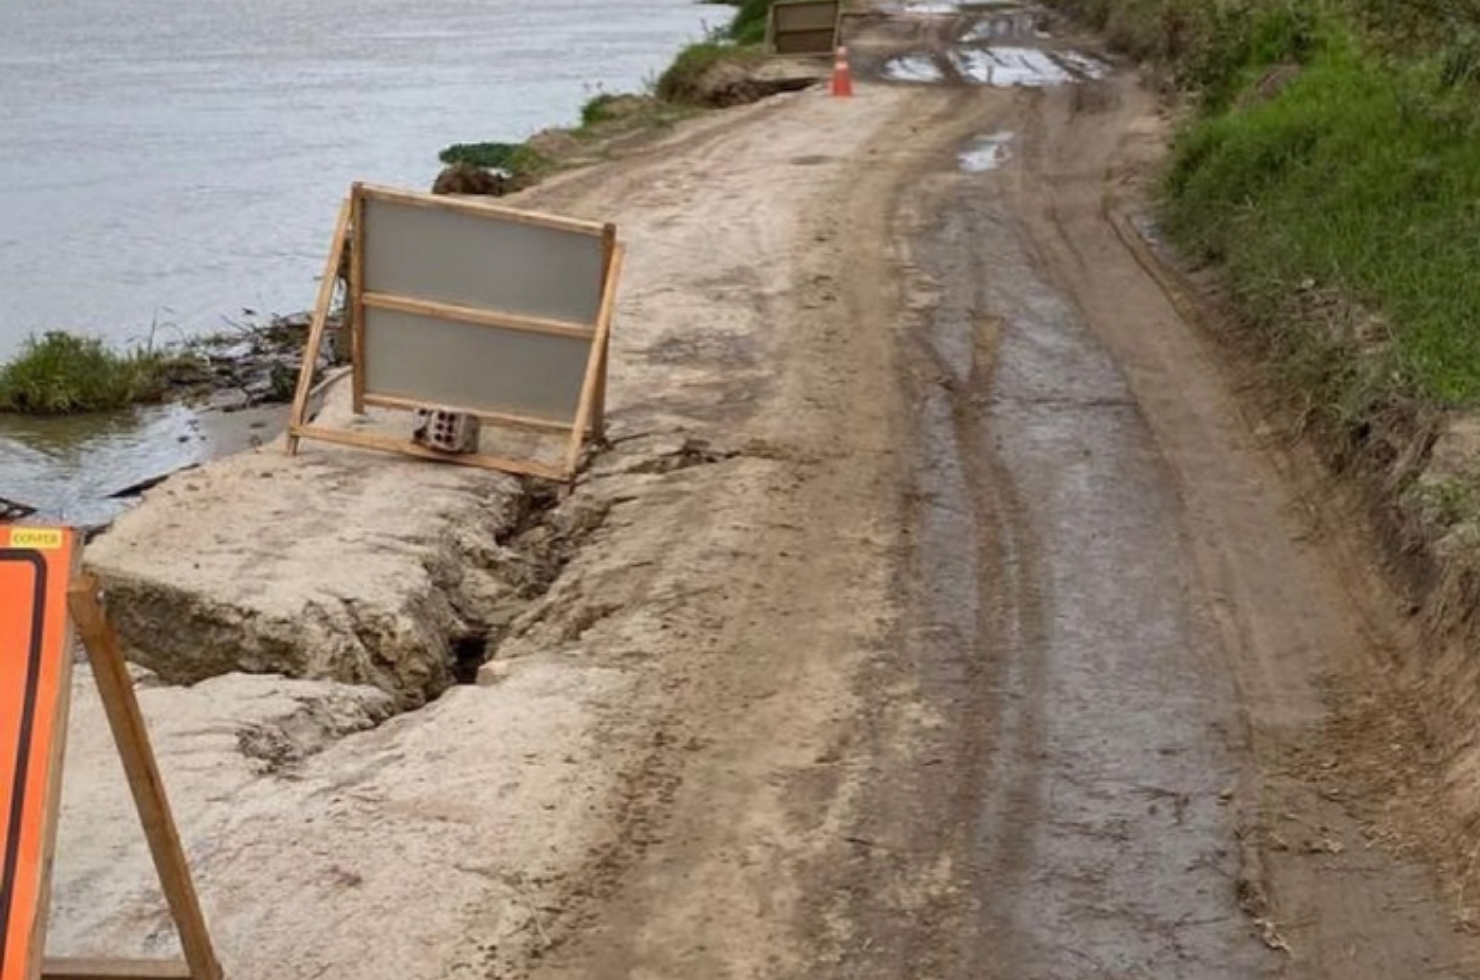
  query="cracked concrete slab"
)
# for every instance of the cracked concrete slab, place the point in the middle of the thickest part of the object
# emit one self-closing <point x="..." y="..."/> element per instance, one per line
<point x="344" y="565"/>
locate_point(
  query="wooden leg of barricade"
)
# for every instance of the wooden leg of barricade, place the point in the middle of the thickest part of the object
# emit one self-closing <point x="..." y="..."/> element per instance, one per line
<point x="121" y="705"/>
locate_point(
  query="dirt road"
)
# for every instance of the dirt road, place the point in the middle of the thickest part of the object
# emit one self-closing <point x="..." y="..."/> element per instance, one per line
<point x="1020" y="669"/>
<point x="938" y="612"/>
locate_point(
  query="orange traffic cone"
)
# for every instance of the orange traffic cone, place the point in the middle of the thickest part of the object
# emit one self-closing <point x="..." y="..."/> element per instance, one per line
<point x="842" y="80"/>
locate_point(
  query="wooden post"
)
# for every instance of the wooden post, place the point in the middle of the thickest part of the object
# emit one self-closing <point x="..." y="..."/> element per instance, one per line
<point x="354" y="301"/>
<point x="598" y="408"/>
<point x="116" y="690"/>
<point x="593" y="366"/>
<point x="299" y="414"/>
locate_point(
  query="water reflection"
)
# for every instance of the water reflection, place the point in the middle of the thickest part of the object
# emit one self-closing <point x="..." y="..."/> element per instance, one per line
<point x="72" y="468"/>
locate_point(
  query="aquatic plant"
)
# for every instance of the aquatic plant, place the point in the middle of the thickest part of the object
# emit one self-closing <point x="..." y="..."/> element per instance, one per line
<point x="60" y="373"/>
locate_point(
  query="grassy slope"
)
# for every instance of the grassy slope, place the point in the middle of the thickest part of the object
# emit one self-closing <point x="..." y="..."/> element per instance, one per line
<point x="1360" y="177"/>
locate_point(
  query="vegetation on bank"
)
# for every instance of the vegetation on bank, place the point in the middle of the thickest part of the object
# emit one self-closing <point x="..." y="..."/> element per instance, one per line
<point x="681" y="89"/>
<point x="524" y="164"/>
<point x="253" y="363"/>
<point x="739" y="41"/>
<point x="60" y="373"/>
<point x="1332" y="165"/>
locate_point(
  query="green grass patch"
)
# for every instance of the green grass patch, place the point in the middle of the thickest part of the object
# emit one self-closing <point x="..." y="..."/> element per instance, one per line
<point x="749" y="23"/>
<point x="1360" y="176"/>
<point x="601" y="108"/>
<point x="61" y="373"/>
<point x="520" y="161"/>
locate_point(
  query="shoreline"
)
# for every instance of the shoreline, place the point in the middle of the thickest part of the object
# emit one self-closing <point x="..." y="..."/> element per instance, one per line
<point x="254" y="370"/>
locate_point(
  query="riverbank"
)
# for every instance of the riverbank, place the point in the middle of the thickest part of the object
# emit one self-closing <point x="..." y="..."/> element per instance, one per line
<point x="211" y="397"/>
<point x="595" y="613"/>
<point x="224" y="396"/>
<point x="730" y="68"/>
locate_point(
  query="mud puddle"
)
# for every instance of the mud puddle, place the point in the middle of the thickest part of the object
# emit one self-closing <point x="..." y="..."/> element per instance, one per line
<point x="1001" y="47"/>
<point x="985" y="153"/>
<point x="997" y="66"/>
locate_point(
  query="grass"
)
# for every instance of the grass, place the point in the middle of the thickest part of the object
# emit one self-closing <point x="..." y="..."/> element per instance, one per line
<point x="606" y="116"/>
<point x="749" y="23"/>
<point x="61" y="373"/>
<point x="520" y="161"/>
<point x="1358" y="177"/>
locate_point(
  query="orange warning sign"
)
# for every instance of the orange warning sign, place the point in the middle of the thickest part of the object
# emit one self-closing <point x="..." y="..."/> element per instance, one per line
<point x="35" y="573"/>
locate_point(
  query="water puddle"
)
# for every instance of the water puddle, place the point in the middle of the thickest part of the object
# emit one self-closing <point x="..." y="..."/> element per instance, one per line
<point x="1000" y="66"/>
<point x="1005" y="67"/>
<point x="930" y="8"/>
<point x="1016" y="24"/>
<point x="82" y="469"/>
<point x="998" y="45"/>
<point x="917" y="69"/>
<point x="1082" y="65"/>
<point x="985" y="153"/>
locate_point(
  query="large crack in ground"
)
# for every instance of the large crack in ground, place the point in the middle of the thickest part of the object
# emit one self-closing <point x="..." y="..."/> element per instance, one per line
<point x="485" y="563"/>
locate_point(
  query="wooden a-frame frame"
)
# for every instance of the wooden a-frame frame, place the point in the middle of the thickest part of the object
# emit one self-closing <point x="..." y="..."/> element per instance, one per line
<point x="116" y="690"/>
<point x="590" y="416"/>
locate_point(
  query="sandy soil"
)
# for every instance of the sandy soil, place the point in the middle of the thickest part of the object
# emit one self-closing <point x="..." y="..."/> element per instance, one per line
<point x="945" y="617"/>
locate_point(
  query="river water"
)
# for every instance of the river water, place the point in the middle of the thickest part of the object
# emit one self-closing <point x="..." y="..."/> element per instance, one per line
<point x="167" y="164"/>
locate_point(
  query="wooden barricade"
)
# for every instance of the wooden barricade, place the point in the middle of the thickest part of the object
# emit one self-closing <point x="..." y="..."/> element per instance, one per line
<point x="462" y="306"/>
<point x="804" y="27"/>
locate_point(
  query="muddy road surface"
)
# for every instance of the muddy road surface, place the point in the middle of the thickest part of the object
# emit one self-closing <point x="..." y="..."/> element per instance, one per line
<point x="1024" y="672"/>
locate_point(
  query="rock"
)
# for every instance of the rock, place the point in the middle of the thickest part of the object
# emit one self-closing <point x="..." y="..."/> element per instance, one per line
<point x="494" y="672"/>
<point x="1456" y="453"/>
<point x="464" y="178"/>
<point x="730" y="83"/>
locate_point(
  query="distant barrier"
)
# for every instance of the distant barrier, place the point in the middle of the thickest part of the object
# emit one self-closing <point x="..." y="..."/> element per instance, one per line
<point x="804" y="27"/>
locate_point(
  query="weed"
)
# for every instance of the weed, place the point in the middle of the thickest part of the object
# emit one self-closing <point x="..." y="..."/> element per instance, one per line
<point x="520" y="161"/>
<point x="60" y="373"/>
<point x="598" y="109"/>
<point x="1362" y="180"/>
<point x="1446" y="503"/>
